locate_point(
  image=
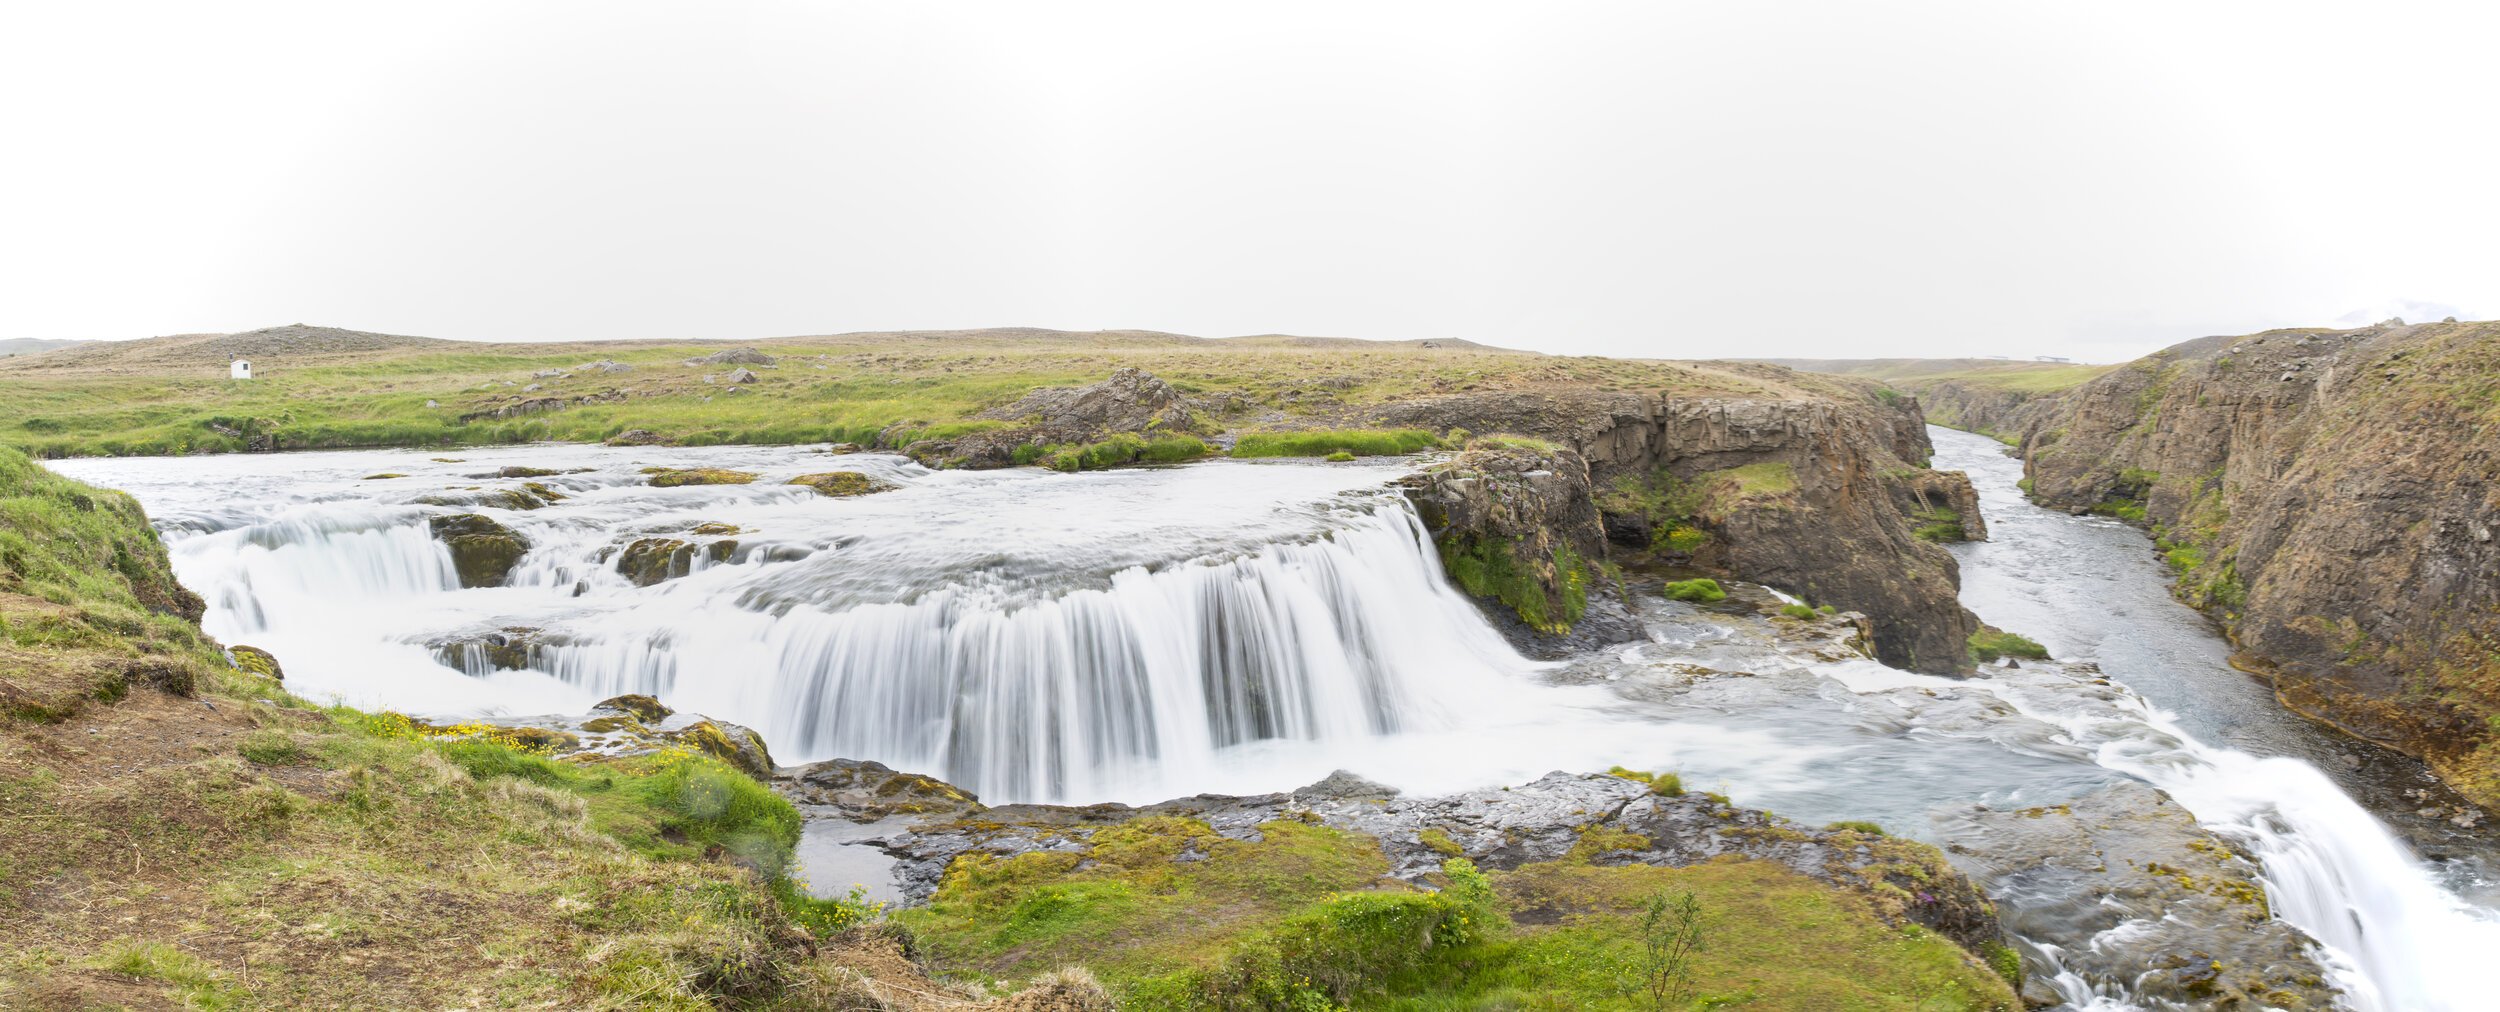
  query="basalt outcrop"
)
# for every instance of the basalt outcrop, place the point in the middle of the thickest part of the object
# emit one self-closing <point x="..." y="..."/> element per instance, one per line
<point x="1517" y="524"/>
<point x="1586" y="819"/>
<point x="1130" y="401"/>
<point x="2126" y="885"/>
<point x="2332" y="498"/>
<point x="1806" y="493"/>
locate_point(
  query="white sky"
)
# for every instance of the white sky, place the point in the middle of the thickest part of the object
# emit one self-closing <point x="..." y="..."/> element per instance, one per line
<point x="1675" y="179"/>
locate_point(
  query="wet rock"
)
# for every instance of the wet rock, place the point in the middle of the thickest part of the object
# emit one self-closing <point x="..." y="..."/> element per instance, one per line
<point x="524" y="498"/>
<point x="676" y="477"/>
<point x="519" y="471"/>
<point x="636" y="437"/>
<point x="256" y="661"/>
<point x="2123" y="881"/>
<point x="864" y="791"/>
<point x="843" y="484"/>
<point x="1940" y="506"/>
<point x="483" y="552"/>
<point x="512" y="648"/>
<point x="650" y="560"/>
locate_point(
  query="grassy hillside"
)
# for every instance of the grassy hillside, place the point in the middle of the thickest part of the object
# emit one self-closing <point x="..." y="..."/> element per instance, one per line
<point x="323" y="388"/>
<point x="1915" y="374"/>
<point x="182" y="833"/>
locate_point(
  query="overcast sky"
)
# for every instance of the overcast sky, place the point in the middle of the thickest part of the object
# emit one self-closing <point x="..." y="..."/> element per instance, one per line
<point x="2092" y="180"/>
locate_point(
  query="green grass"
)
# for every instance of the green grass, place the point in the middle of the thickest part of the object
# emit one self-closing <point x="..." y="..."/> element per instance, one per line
<point x="1301" y="919"/>
<point x="1698" y="591"/>
<point x="1123" y="448"/>
<point x="1752" y="481"/>
<point x="1988" y="646"/>
<point x="1359" y="442"/>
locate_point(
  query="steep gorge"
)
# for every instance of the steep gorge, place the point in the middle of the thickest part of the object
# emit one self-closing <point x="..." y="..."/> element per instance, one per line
<point x="2329" y="497"/>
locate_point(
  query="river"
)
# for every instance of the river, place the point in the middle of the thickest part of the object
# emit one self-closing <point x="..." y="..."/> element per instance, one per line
<point x="1241" y="627"/>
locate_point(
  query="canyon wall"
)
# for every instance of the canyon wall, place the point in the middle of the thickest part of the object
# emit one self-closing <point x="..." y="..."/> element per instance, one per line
<point x="2332" y="498"/>
<point x="1817" y="489"/>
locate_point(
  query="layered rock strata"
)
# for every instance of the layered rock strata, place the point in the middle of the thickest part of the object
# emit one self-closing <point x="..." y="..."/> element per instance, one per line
<point x="2332" y="498"/>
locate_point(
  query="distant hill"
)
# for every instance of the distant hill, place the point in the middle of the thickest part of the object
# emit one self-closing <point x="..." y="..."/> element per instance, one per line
<point x="1915" y="373"/>
<point x="31" y="345"/>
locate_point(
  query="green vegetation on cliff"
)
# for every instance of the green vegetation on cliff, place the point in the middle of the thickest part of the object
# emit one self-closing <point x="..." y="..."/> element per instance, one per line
<point x="1490" y="567"/>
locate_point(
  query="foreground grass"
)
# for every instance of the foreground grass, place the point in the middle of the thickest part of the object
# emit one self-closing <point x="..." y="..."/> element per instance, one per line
<point x="1241" y="928"/>
<point x="181" y="830"/>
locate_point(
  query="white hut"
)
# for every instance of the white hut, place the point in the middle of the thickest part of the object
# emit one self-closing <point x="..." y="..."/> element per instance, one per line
<point x="239" y="369"/>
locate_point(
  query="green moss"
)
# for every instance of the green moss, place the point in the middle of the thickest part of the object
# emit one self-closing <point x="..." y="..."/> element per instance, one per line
<point x="1321" y="443"/>
<point x="1340" y="457"/>
<point x="700" y="476"/>
<point x="1122" y="448"/>
<point x="1867" y="828"/>
<point x="1988" y="646"/>
<point x="1750" y="482"/>
<point x="1490" y="567"/>
<point x="1698" y="591"/>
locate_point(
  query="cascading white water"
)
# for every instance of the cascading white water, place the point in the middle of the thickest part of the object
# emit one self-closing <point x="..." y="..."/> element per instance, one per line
<point x="1028" y="636"/>
<point x="1239" y="628"/>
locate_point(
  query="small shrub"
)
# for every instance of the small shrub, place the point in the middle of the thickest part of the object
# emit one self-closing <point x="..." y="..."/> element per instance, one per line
<point x="1340" y="457"/>
<point x="1701" y="591"/>
<point x="1681" y="539"/>
<point x="1667" y="785"/>
<point x="1671" y="935"/>
<point x="1827" y="610"/>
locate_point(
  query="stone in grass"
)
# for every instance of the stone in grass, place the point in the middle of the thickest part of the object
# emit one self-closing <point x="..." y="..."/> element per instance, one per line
<point x="843" y="484"/>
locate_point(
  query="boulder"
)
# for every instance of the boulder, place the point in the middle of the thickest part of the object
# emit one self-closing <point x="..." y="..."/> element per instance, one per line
<point x="637" y="437"/>
<point x="256" y="661"/>
<point x="483" y="552"/>
<point x="734" y="356"/>
<point x="739" y="376"/>
<point x="650" y="560"/>
<point x="843" y="484"/>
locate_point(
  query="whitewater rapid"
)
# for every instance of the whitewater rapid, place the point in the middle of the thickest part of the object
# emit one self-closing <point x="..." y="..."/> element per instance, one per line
<point x="1238" y="627"/>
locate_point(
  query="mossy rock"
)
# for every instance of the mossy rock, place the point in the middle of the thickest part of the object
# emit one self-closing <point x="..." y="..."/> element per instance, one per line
<point x="1702" y="591"/>
<point x="716" y="529"/>
<point x="256" y="661"/>
<point x="526" y="472"/>
<point x="644" y="708"/>
<point x="652" y="560"/>
<point x="541" y="490"/>
<point x="483" y="552"/>
<point x="385" y="474"/>
<point x="728" y="743"/>
<point x="701" y="476"/>
<point x="843" y="484"/>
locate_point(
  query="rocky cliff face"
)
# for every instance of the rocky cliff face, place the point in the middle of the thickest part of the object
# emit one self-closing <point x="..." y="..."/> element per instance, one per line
<point x="1517" y="524"/>
<point x="2333" y="499"/>
<point x="1806" y="493"/>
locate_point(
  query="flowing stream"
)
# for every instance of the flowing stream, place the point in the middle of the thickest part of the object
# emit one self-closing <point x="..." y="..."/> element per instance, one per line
<point x="1242" y="627"/>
